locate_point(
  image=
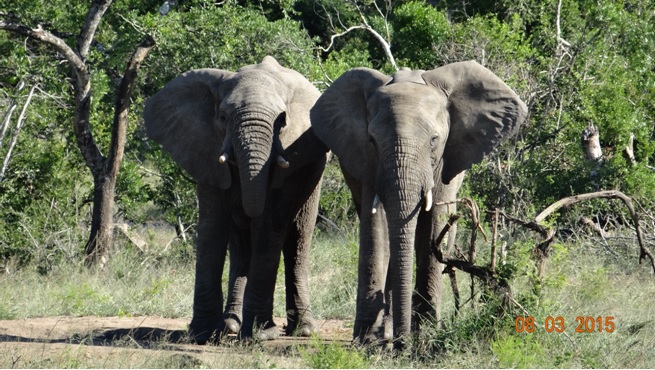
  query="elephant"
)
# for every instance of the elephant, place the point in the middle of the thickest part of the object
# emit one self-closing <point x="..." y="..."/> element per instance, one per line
<point x="404" y="143"/>
<point x="246" y="139"/>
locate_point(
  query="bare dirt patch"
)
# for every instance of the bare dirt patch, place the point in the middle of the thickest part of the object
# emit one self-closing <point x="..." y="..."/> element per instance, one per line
<point x="145" y="341"/>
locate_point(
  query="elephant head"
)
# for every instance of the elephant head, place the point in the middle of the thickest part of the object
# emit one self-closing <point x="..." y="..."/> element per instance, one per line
<point x="208" y="118"/>
<point x="409" y="135"/>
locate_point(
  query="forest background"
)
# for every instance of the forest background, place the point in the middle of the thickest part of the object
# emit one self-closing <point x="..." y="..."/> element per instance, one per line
<point x="574" y="63"/>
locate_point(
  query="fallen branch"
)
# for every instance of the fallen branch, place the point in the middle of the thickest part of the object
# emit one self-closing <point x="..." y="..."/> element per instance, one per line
<point x="548" y="233"/>
<point x="607" y="194"/>
<point x="483" y="273"/>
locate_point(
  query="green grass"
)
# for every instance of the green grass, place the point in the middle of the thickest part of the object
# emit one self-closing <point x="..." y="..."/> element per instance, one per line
<point x="130" y="286"/>
<point x="581" y="280"/>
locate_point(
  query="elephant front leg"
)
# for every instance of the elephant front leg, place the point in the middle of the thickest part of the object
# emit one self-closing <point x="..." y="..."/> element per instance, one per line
<point x="210" y="258"/>
<point x="240" y="254"/>
<point x="260" y="288"/>
<point x="372" y="273"/>
<point x="300" y="320"/>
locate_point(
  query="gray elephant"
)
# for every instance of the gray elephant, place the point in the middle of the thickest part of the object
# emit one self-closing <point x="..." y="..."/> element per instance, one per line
<point x="245" y="137"/>
<point x="404" y="143"/>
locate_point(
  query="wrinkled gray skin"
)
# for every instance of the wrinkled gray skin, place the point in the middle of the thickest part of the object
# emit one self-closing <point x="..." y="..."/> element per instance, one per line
<point x="246" y="139"/>
<point x="405" y="139"/>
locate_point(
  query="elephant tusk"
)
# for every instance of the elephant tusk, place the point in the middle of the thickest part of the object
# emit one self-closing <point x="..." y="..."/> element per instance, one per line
<point x="282" y="162"/>
<point x="376" y="203"/>
<point x="223" y="158"/>
<point x="428" y="200"/>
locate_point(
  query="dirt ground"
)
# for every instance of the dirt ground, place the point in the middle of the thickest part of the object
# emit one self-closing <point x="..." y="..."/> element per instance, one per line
<point x="133" y="341"/>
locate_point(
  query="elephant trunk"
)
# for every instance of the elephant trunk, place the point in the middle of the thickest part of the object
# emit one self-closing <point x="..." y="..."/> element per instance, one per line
<point x="403" y="198"/>
<point x="252" y="148"/>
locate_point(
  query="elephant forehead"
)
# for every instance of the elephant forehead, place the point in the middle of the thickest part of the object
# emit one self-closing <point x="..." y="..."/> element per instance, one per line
<point x="407" y="75"/>
<point x="407" y="97"/>
<point x="253" y="82"/>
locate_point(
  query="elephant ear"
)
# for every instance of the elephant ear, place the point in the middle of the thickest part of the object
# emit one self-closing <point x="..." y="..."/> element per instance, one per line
<point x="340" y="121"/>
<point x="180" y="117"/>
<point x="483" y="111"/>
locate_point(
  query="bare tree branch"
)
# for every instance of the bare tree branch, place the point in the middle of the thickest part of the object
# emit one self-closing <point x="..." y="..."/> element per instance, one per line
<point x="363" y="26"/>
<point x="5" y="121"/>
<point x="81" y="126"/>
<point x="122" y="105"/>
<point x="562" y="44"/>
<point x="548" y="233"/>
<point x="44" y="36"/>
<point x="14" y="140"/>
<point x="385" y="45"/>
<point x="340" y="34"/>
<point x="607" y="194"/>
<point x="91" y="23"/>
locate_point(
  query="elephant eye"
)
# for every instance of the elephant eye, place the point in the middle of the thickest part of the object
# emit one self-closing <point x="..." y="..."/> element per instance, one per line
<point x="434" y="140"/>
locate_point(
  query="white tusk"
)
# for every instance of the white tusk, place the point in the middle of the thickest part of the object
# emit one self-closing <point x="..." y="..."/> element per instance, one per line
<point x="428" y="200"/>
<point x="222" y="159"/>
<point x="282" y="162"/>
<point x="376" y="203"/>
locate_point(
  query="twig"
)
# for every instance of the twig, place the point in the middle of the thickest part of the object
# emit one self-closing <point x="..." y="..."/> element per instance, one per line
<point x="586" y="221"/>
<point x="494" y="235"/>
<point x="453" y="285"/>
<point x="436" y="246"/>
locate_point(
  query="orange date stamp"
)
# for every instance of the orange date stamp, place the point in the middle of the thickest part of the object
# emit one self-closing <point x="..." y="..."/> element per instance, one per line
<point x="584" y="324"/>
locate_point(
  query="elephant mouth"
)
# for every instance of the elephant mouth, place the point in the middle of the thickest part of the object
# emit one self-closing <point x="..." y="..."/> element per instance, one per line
<point x="427" y="201"/>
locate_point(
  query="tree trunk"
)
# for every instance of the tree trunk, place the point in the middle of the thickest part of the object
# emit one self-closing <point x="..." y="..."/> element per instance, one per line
<point x="105" y="173"/>
<point x="101" y="236"/>
<point x="590" y="138"/>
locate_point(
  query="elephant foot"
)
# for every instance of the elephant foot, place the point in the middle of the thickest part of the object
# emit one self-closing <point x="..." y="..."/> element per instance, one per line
<point x="268" y="331"/>
<point x="388" y="328"/>
<point x="232" y="325"/>
<point x="424" y="313"/>
<point x="265" y="328"/>
<point x="202" y="334"/>
<point x="303" y="326"/>
<point x="375" y="334"/>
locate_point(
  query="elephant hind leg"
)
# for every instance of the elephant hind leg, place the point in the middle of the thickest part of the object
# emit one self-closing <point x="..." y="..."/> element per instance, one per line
<point x="426" y="300"/>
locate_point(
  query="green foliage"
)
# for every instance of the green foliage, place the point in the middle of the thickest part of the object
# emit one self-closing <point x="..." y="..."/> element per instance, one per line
<point x="332" y="355"/>
<point x="336" y="200"/>
<point x="418" y="29"/>
<point x="522" y="351"/>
